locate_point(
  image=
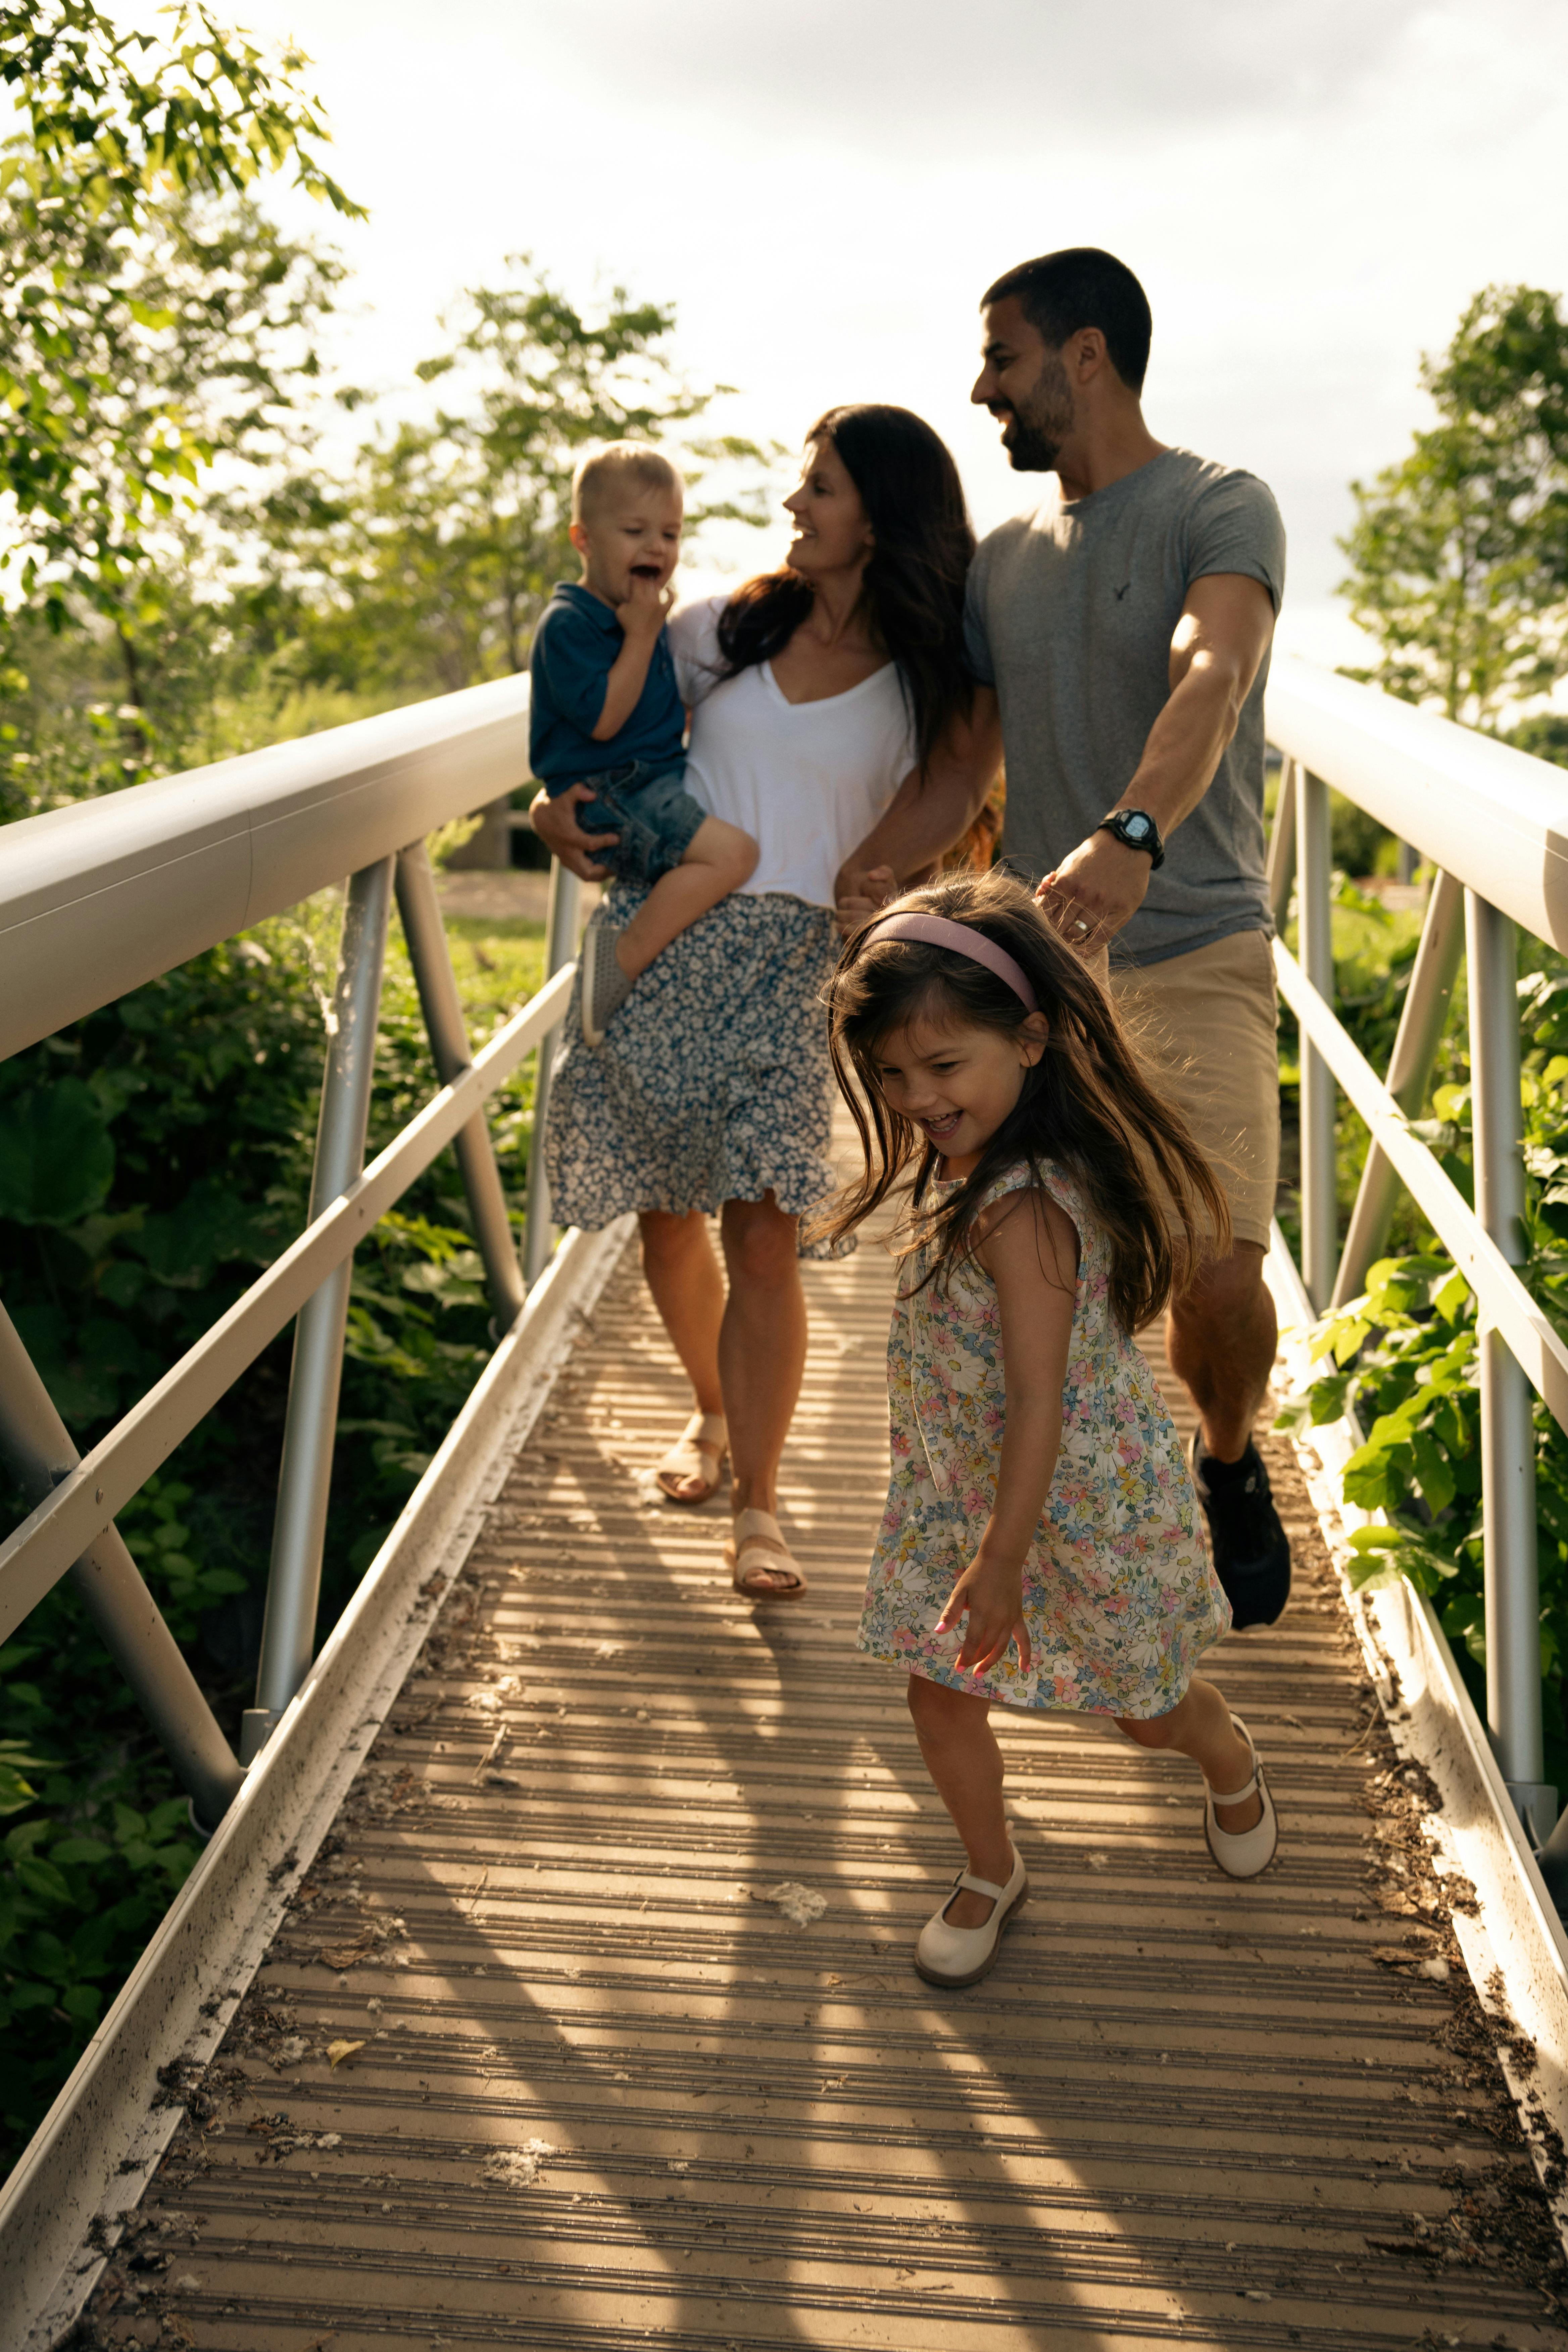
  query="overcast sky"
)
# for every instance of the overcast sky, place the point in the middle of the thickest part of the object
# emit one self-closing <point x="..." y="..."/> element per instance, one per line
<point x="1310" y="192"/>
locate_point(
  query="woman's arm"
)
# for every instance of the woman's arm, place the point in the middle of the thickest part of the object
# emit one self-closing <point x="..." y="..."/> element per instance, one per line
<point x="1030" y="1252"/>
<point x="927" y="814"/>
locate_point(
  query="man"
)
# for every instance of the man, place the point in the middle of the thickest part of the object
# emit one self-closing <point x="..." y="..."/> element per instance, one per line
<point x="1125" y="627"/>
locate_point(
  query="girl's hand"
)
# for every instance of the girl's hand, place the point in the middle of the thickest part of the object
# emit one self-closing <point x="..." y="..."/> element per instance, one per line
<point x="992" y="1597"/>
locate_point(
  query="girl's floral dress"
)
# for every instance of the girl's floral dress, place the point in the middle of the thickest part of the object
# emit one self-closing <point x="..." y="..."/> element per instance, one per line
<point x="1118" y="1596"/>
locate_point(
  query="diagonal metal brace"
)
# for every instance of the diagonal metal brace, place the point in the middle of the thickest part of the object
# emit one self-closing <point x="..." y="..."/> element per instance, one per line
<point x="426" y="936"/>
<point x="38" y="1450"/>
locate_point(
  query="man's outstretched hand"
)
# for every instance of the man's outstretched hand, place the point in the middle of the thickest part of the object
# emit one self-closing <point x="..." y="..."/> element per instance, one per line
<point x="555" y="823"/>
<point x="859" y="891"/>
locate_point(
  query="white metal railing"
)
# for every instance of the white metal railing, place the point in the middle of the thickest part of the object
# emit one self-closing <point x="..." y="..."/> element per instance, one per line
<point x="1494" y="823"/>
<point x="99" y="897"/>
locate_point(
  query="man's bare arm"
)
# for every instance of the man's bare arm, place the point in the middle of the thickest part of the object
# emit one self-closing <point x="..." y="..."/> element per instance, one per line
<point x="1220" y="640"/>
<point x="927" y="814"/>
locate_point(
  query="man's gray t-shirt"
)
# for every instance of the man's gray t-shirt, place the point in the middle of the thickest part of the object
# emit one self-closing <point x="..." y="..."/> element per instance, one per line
<point x="1070" y="614"/>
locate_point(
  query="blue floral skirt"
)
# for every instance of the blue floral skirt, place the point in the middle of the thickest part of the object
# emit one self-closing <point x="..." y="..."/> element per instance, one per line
<point x="713" y="1081"/>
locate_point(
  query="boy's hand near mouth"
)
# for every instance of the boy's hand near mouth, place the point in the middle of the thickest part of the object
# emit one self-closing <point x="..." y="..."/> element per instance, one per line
<point x="642" y="613"/>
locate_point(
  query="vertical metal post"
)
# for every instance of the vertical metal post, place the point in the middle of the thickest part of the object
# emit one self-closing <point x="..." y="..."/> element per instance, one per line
<point x="1281" y="860"/>
<point x="426" y="937"/>
<point x="1508" y="1430"/>
<point x="36" y="1448"/>
<point x="1420" y="1034"/>
<point x="1319" y="1219"/>
<point x="298" y="1530"/>
<point x="560" y="947"/>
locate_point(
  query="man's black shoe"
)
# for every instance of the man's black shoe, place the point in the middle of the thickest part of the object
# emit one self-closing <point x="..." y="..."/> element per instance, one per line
<point x="1251" y="1549"/>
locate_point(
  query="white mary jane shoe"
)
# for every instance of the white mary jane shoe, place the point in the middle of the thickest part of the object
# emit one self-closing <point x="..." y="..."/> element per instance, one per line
<point x="946" y="1955"/>
<point x="1242" y="1854"/>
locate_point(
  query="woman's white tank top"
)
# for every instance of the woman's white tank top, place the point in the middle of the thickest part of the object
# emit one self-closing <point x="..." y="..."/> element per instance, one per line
<point x="806" y="780"/>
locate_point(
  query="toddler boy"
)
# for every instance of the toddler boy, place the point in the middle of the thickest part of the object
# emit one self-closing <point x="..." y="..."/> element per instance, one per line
<point x="607" y="712"/>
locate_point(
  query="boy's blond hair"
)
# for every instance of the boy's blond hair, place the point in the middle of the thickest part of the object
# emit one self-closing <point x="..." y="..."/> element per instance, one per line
<point x="624" y="465"/>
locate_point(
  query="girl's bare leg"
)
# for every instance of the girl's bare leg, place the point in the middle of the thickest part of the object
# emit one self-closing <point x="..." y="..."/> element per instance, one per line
<point x="688" y="1292"/>
<point x="1201" y="1727"/>
<point x="762" y="1346"/>
<point x="965" y="1766"/>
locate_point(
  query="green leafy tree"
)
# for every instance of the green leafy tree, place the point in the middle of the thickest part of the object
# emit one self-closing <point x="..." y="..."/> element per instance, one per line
<point x="209" y="314"/>
<point x="432" y="566"/>
<point x="114" y="122"/>
<point x="1460" y="553"/>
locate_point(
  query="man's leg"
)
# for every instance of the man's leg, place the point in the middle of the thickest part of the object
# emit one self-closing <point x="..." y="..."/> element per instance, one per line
<point x="1204" y="1024"/>
<point x="1221" y="1339"/>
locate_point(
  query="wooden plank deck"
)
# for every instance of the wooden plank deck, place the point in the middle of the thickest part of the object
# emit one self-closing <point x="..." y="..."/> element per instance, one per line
<point x="603" y="2092"/>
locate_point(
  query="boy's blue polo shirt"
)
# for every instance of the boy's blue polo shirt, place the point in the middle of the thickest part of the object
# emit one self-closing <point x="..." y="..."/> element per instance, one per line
<point x="575" y="649"/>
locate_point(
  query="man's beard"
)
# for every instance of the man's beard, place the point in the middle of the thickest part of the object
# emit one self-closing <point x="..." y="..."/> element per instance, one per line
<point x="1042" y="423"/>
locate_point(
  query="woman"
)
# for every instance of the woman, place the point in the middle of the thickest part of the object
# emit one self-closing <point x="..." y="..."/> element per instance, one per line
<point x="816" y="691"/>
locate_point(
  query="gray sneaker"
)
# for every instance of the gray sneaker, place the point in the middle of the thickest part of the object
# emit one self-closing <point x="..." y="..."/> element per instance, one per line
<point x="606" y="987"/>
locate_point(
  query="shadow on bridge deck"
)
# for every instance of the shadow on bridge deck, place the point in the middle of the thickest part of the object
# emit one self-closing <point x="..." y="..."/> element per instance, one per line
<point x="604" y="2093"/>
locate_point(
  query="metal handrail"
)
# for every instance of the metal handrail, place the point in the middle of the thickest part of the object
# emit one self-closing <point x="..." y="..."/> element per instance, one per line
<point x="1493" y="816"/>
<point x="100" y="896"/>
<point x="1494" y="822"/>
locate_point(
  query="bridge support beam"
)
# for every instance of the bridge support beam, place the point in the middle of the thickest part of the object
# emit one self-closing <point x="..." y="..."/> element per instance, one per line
<point x="425" y="934"/>
<point x="1508" y="1404"/>
<point x="1320" y="1220"/>
<point x="298" y="1530"/>
<point x="38" y="1450"/>
<point x="1415" y="1047"/>
<point x="560" y="947"/>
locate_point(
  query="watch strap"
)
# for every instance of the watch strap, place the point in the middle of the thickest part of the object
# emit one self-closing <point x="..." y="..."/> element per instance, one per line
<point x="1116" y="824"/>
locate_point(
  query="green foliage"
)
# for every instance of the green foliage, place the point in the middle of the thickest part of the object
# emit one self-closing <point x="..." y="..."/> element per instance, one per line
<point x="168" y="625"/>
<point x="56" y="1155"/>
<point x="95" y="446"/>
<point x="1460" y="553"/>
<point x="1544" y="736"/>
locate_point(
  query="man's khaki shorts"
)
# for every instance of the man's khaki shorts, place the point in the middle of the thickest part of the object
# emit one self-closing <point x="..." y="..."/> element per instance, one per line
<point x="1205" y="1027"/>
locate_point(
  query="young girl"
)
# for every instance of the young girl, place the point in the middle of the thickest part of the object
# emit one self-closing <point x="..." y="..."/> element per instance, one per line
<point x="1039" y="1501"/>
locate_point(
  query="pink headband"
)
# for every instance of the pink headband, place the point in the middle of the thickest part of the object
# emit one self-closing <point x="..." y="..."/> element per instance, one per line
<point x="964" y="940"/>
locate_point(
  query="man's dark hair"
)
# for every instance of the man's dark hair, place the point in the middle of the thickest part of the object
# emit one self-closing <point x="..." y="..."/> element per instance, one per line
<point x="1081" y="287"/>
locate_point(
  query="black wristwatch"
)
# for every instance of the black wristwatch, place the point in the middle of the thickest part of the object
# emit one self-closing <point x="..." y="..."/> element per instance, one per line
<point x="1136" y="829"/>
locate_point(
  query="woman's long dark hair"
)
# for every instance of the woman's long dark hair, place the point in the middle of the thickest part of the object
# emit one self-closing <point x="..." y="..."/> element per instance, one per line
<point x="1086" y="1105"/>
<point x="913" y="589"/>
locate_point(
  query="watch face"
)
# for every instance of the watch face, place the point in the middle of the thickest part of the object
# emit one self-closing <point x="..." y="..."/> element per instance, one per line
<point x="1136" y="826"/>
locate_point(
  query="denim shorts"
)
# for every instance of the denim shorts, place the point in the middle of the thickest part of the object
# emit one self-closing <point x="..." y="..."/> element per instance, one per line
<point x="649" y="806"/>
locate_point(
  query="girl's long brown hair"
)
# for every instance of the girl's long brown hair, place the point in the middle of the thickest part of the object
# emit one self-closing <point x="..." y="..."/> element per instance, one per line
<point x="913" y="587"/>
<point x="1086" y="1105"/>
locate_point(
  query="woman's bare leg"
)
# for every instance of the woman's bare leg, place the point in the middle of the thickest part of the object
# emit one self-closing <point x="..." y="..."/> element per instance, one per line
<point x="1201" y="1727"/>
<point x="762" y="1346"/>
<point x="688" y="1291"/>
<point x="965" y="1765"/>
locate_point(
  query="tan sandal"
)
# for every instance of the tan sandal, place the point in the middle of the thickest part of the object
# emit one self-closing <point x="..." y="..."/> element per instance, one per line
<point x="704" y="1442"/>
<point x="759" y="1556"/>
